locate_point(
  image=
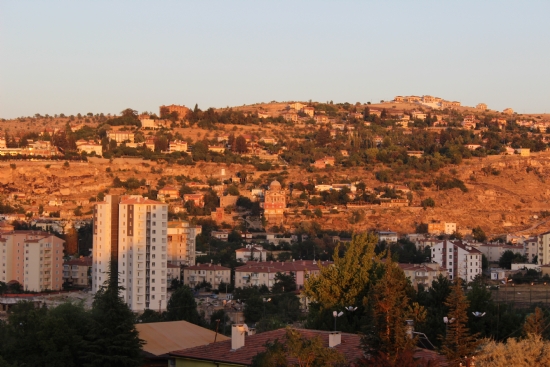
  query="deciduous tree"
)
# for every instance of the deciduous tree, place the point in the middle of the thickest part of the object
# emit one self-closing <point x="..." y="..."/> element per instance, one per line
<point x="340" y="284"/>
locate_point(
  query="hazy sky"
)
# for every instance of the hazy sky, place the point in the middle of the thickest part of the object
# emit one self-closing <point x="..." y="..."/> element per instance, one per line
<point x="104" y="56"/>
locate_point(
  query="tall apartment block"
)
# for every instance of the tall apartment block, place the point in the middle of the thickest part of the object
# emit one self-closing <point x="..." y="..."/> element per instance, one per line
<point x="32" y="258"/>
<point x="132" y="231"/>
<point x="181" y="242"/>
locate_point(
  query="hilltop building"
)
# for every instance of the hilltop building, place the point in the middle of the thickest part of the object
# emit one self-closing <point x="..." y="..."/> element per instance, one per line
<point x="32" y="258"/>
<point x="180" y="109"/>
<point x="131" y="231"/>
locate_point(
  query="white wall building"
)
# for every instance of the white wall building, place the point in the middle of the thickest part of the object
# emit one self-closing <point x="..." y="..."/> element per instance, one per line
<point x="132" y="231"/>
<point x="544" y="248"/>
<point x="460" y="259"/>
<point x="182" y="243"/>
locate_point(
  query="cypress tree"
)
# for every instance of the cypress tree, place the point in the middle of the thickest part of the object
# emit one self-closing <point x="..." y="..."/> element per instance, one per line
<point x="388" y="299"/>
<point x="114" y="340"/>
<point x="458" y="342"/>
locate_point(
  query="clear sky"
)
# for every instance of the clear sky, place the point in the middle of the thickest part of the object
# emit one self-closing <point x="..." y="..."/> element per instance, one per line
<point x="105" y="56"/>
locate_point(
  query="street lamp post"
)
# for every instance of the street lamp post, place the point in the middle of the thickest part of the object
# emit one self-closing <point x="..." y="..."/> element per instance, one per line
<point x="447" y="321"/>
<point x="336" y="315"/>
<point x="265" y="301"/>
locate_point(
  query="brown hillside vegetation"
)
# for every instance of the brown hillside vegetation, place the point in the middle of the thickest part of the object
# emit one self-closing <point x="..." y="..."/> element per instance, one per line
<point x="509" y="202"/>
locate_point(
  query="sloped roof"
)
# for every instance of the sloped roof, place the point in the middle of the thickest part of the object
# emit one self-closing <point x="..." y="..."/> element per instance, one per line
<point x="221" y="352"/>
<point x="163" y="337"/>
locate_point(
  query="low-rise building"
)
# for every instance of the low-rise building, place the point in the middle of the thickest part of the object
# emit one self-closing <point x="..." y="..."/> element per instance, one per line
<point x="493" y="251"/>
<point x="251" y="252"/>
<point x="197" y="199"/>
<point x="169" y="192"/>
<point x="508" y="111"/>
<point x="210" y="273"/>
<point x="290" y="116"/>
<point x="321" y="119"/>
<point x="121" y="136"/>
<point x="481" y="106"/>
<point x="221" y="235"/>
<point x="387" y="236"/>
<point x="418" y="115"/>
<point x="263" y="272"/>
<point x="423" y="274"/>
<point x="78" y="272"/>
<point x="439" y="227"/>
<point x="177" y="146"/>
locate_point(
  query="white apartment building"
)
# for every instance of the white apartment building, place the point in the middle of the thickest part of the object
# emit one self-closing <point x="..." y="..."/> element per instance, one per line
<point x="182" y="243"/>
<point x="32" y="258"/>
<point x="132" y="231"/>
<point x="544" y="248"/>
<point x="493" y="251"/>
<point x="460" y="259"/>
<point x="531" y="248"/>
<point x="211" y="273"/>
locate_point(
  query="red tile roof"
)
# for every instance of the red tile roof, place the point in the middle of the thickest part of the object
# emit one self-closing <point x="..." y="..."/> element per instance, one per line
<point x="221" y="352"/>
<point x="275" y="266"/>
<point x="206" y="267"/>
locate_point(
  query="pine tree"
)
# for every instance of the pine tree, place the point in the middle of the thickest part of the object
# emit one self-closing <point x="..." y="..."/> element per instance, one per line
<point x="458" y="342"/>
<point x="114" y="340"/>
<point x="387" y="332"/>
<point x="182" y="306"/>
<point x="535" y="323"/>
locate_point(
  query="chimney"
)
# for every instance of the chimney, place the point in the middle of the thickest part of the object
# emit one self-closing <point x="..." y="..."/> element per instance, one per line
<point x="237" y="336"/>
<point x="334" y="339"/>
<point x="251" y="331"/>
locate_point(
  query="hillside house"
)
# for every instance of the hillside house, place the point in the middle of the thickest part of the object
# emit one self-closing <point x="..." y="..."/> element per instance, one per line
<point x="181" y="110"/>
<point x="121" y="136"/>
<point x="290" y="116"/>
<point x="439" y="227"/>
<point x="508" y="111"/>
<point x="197" y="199"/>
<point x="324" y="162"/>
<point x="296" y="106"/>
<point x="472" y="146"/>
<point x="481" y="106"/>
<point x="169" y="192"/>
<point x="216" y="148"/>
<point x="321" y="119"/>
<point x="89" y="147"/>
<point x="310" y="111"/>
<point x="177" y="146"/>
<point x="251" y="253"/>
